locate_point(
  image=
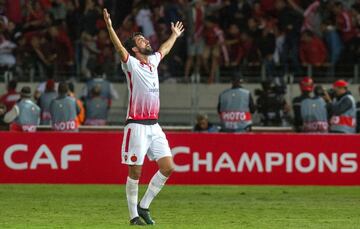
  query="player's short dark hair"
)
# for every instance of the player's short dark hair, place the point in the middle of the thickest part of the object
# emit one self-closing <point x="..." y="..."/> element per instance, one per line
<point x="63" y="88"/>
<point x="130" y="43"/>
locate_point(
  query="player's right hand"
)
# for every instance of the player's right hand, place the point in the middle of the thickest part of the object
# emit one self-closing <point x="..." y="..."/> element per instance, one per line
<point x="107" y="18"/>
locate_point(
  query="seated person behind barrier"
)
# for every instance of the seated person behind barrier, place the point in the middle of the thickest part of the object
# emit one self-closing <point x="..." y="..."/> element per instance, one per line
<point x="203" y="124"/>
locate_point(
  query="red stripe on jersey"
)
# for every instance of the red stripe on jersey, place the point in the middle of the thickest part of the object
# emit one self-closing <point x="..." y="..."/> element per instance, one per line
<point x="131" y="90"/>
<point x="127" y="140"/>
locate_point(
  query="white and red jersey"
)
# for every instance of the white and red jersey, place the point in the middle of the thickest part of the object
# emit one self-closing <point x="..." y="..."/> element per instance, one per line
<point x="143" y="85"/>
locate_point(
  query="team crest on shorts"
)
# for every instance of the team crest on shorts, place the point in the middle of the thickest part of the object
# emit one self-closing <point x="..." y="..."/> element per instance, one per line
<point x="133" y="158"/>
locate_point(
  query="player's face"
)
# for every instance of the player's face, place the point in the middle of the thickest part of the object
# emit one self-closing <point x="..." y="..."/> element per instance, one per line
<point x="143" y="45"/>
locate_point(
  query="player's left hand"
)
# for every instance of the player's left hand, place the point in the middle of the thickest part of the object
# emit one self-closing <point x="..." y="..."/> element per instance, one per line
<point x="177" y="28"/>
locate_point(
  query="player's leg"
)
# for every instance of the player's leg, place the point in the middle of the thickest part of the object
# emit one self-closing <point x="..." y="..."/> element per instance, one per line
<point x="160" y="151"/>
<point x="134" y="148"/>
<point x="157" y="182"/>
<point x="132" y="190"/>
<point x="166" y="167"/>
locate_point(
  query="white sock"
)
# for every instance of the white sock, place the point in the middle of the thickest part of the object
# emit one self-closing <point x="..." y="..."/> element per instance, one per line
<point x="132" y="188"/>
<point x="155" y="185"/>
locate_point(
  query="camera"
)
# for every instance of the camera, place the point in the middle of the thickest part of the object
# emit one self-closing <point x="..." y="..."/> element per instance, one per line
<point x="320" y="91"/>
<point x="270" y="87"/>
<point x="331" y="93"/>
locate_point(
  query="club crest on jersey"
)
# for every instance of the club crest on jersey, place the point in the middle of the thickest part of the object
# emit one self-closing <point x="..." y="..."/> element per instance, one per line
<point x="133" y="158"/>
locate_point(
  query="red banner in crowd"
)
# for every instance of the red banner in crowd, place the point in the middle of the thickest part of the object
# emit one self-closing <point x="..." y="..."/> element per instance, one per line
<point x="95" y="157"/>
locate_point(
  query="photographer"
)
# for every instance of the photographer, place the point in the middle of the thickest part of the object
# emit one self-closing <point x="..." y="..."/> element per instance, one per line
<point x="314" y="114"/>
<point x="306" y="87"/>
<point x="271" y="104"/>
<point x="235" y="108"/>
<point x="342" y="109"/>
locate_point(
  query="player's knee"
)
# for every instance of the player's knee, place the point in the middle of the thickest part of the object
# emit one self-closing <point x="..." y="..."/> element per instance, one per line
<point x="135" y="173"/>
<point x="167" y="171"/>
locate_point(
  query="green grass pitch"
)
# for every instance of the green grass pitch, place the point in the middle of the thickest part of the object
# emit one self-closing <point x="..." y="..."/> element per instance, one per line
<point x="257" y="207"/>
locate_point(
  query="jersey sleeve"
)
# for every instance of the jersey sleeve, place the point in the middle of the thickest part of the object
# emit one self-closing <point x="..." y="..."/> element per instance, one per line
<point x="128" y="64"/>
<point x="157" y="57"/>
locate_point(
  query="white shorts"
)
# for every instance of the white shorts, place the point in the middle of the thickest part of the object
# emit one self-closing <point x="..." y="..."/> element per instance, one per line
<point x="140" y="140"/>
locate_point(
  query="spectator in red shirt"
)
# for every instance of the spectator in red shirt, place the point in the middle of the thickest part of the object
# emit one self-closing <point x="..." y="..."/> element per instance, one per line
<point x="35" y="16"/>
<point x="250" y="50"/>
<point x="63" y="49"/>
<point x="14" y="11"/>
<point x="344" y="22"/>
<point x="267" y="5"/>
<point x="214" y="45"/>
<point x="43" y="53"/>
<point x="106" y="57"/>
<point x="11" y="96"/>
<point x="312" y="49"/>
<point x="234" y="44"/>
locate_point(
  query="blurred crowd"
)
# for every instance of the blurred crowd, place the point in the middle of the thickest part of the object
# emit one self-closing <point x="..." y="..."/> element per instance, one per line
<point x="67" y="38"/>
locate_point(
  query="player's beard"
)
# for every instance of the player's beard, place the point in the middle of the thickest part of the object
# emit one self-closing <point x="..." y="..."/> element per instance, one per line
<point x="146" y="51"/>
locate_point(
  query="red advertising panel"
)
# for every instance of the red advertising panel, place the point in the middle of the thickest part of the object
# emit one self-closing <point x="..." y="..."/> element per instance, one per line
<point x="95" y="157"/>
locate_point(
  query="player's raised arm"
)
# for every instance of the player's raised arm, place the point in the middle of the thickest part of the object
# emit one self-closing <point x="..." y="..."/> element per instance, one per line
<point x="114" y="38"/>
<point x="177" y="29"/>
